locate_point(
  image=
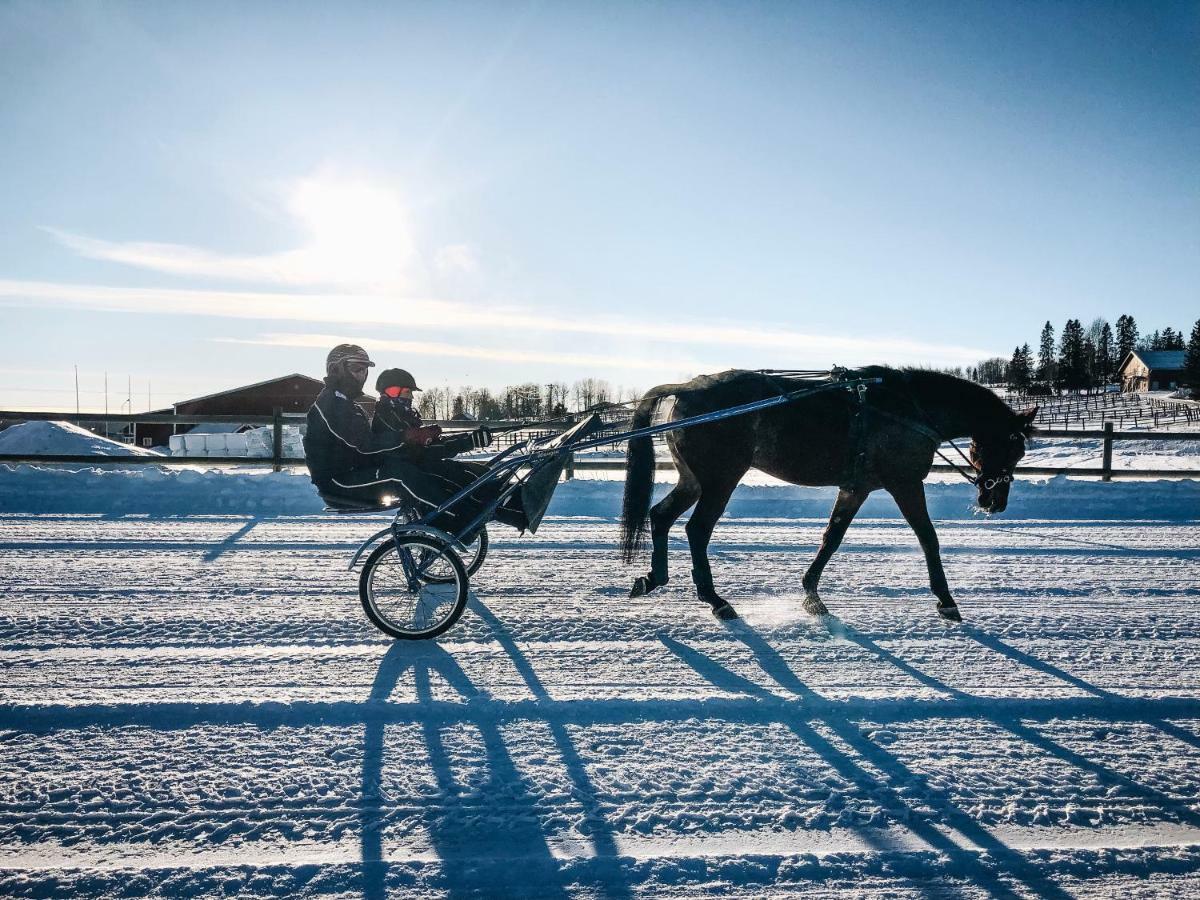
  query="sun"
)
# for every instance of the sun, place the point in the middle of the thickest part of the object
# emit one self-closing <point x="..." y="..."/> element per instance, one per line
<point x="359" y="231"/>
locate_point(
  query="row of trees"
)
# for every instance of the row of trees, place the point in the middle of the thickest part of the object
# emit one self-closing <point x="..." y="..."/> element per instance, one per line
<point x="1078" y="359"/>
<point x="1083" y="358"/>
<point x="521" y="401"/>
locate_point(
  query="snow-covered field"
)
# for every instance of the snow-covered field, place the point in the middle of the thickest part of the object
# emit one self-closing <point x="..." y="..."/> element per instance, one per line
<point x="194" y="705"/>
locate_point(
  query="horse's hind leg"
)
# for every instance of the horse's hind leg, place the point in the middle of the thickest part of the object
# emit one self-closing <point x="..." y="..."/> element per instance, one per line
<point x="714" y="498"/>
<point x="662" y="516"/>
<point x="844" y="509"/>
<point x="911" y="500"/>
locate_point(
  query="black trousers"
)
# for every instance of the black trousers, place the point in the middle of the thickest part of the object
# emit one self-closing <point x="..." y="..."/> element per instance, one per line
<point x="427" y="487"/>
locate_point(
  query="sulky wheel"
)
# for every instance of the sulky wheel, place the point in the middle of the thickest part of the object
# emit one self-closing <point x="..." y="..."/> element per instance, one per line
<point x="475" y="555"/>
<point x="413" y="587"/>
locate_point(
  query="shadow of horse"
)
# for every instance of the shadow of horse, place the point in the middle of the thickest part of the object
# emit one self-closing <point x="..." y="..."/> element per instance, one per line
<point x="1008" y="863"/>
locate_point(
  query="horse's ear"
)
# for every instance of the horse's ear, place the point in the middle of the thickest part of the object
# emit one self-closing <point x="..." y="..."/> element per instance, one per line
<point x="1026" y="418"/>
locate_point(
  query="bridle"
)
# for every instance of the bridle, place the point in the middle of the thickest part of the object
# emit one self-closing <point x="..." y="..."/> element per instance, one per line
<point x="1005" y="476"/>
<point x="987" y="483"/>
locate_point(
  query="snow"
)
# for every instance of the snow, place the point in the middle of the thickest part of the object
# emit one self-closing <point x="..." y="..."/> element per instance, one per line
<point x="62" y="439"/>
<point x="163" y="491"/>
<point x="193" y="704"/>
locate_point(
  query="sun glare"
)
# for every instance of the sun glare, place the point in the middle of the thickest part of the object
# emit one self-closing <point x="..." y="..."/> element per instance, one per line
<point x="360" y="231"/>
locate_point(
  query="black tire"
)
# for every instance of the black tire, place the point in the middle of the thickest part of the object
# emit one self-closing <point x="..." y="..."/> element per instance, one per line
<point x="476" y="553"/>
<point x="389" y="598"/>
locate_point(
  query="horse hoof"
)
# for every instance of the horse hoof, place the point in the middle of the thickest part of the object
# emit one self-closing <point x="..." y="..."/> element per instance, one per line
<point x="813" y="604"/>
<point x="725" y="612"/>
<point x="950" y="613"/>
<point x="641" y="586"/>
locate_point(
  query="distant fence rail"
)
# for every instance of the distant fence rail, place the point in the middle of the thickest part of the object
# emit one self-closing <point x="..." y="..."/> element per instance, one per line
<point x="1108" y="438"/>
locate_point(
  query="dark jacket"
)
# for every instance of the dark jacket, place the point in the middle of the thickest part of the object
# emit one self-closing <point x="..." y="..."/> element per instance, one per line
<point x="400" y="422"/>
<point x="339" y="438"/>
<point x="403" y="422"/>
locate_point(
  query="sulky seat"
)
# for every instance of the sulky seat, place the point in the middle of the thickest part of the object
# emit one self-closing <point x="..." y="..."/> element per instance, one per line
<point x="342" y="505"/>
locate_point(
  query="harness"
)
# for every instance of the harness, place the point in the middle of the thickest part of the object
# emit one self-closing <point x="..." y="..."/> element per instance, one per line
<point x="854" y="474"/>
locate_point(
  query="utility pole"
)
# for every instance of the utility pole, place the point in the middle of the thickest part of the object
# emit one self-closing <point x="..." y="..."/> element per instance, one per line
<point x="106" y="404"/>
<point x="77" y="393"/>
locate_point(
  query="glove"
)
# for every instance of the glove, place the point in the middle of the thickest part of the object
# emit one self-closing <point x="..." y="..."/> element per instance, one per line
<point x="423" y="436"/>
<point x="481" y="437"/>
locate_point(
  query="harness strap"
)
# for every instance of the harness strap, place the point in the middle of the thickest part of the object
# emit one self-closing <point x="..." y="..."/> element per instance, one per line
<point x="858" y="427"/>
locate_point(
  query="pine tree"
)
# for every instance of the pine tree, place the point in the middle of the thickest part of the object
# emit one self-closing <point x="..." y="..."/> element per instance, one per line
<point x="1191" y="361"/>
<point x="1089" y="377"/>
<point x="1127" y="337"/>
<point x="1072" y="370"/>
<point x="1045" y="370"/>
<point x="1018" y="369"/>
<point x="1105" y="351"/>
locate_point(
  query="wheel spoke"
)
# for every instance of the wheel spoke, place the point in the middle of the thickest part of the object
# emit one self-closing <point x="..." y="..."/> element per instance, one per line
<point x="414" y="588"/>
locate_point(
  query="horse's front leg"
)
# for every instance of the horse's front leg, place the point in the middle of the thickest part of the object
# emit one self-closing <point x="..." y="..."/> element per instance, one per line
<point x="844" y="509"/>
<point x="911" y="500"/>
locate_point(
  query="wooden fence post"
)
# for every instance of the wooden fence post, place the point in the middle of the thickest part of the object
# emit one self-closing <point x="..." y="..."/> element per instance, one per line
<point x="277" y="439"/>
<point x="1106" y="464"/>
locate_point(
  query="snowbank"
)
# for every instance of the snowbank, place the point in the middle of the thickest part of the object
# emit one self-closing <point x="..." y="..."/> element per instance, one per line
<point x="62" y="439"/>
<point x="158" y="491"/>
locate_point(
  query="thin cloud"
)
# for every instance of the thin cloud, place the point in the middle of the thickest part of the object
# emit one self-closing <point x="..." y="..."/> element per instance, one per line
<point x="461" y="351"/>
<point x="180" y="259"/>
<point x="380" y="309"/>
<point x="357" y="231"/>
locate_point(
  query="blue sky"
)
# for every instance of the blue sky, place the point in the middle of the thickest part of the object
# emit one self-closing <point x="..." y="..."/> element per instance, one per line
<point x="201" y="195"/>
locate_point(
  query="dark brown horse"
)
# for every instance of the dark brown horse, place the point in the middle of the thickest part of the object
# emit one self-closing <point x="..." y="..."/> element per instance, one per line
<point x="883" y="438"/>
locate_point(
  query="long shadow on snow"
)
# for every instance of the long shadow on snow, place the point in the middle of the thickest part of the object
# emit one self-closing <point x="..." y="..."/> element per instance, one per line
<point x="229" y="542"/>
<point x="1167" y="727"/>
<point x="965" y="862"/>
<point x="610" y="870"/>
<point x="1013" y="723"/>
<point x="476" y="857"/>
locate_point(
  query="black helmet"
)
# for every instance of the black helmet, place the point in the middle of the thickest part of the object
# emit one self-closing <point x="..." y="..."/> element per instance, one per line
<point x="345" y="353"/>
<point x="395" y="378"/>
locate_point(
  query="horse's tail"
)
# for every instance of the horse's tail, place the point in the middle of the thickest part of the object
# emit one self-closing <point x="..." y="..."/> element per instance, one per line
<point x="639" y="483"/>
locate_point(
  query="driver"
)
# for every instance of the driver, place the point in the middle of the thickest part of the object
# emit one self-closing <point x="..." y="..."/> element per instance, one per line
<point x="347" y="460"/>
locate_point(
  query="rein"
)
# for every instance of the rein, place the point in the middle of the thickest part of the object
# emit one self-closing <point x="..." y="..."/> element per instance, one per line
<point x="932" y="433"/>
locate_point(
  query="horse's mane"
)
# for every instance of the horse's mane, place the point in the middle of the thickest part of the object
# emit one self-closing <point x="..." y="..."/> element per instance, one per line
<point x="971" y="398"/>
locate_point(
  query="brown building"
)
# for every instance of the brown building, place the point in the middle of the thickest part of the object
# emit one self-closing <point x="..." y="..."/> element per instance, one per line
<point x="292" y="393"/>
<point x="1151" y="370"/>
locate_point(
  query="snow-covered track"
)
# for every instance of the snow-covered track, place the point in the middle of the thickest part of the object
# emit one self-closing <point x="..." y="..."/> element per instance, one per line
<point x="197" y="707"/>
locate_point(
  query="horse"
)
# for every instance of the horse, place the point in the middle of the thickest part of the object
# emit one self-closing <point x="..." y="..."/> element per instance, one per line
<point x="860" y="438"/>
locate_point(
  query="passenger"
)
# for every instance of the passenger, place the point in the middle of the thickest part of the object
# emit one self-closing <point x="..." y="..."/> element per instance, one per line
<point x="427" y="447"/>
<point x="347" y="460"/>
<point x="396" y="414"/>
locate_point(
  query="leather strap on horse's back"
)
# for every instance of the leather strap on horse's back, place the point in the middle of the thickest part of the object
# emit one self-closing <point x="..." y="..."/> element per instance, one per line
<point x="855" y="473"/>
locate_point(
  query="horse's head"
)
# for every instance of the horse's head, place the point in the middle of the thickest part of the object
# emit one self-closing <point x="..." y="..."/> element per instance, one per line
<point x="994" y="456"/>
